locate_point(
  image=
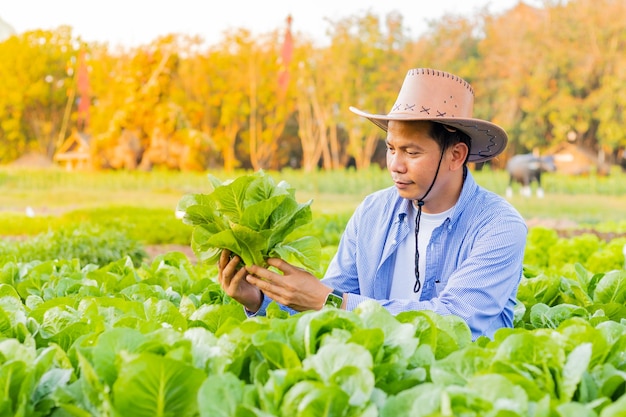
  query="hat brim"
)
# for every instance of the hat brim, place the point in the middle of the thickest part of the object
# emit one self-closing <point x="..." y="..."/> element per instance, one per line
<point x="488" y="139"/>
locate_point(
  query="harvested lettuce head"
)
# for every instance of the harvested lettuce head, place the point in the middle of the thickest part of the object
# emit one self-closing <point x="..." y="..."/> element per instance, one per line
<point x="253" y="217"/>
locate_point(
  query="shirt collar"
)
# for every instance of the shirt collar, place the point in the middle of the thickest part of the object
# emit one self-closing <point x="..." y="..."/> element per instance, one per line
<point x="468" y="190"/>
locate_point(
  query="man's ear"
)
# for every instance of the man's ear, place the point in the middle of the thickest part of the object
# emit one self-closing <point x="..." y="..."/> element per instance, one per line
<point x="458" y="153"/>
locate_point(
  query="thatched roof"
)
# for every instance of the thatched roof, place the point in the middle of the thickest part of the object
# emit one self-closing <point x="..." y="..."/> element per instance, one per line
<point x="32" y="160"/>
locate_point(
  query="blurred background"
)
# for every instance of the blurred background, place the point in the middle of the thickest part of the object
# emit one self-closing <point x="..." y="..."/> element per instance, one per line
<point x="258" y="97"/>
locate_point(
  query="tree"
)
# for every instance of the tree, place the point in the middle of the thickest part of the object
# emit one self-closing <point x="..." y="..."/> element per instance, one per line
<point x="317" y="96"/>
<point x="542" y="73"/>
<point x="271" y="103"/>
<point x="602" y="121"/>
<point x="512" y="78"/>
<point x="368" y="60"/>
<point x="131" y="90"/>
<point x="36" y="74"/>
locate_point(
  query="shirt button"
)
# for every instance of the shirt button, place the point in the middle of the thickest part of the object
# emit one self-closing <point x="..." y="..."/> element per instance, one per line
<point x="394" y="241"/>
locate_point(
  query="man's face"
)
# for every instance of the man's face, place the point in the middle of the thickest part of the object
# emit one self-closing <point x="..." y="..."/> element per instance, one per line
<point x="412" y="158"/>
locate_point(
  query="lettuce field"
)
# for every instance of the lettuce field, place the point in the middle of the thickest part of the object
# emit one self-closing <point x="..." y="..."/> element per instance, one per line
<point x="91" y="325"/>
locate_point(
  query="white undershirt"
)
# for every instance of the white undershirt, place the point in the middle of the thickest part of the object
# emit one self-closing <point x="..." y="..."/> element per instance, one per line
<point x="403" y="280"/>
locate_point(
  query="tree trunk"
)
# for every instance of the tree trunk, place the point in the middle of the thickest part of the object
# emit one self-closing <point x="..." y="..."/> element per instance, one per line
<point x="228" y="150"/>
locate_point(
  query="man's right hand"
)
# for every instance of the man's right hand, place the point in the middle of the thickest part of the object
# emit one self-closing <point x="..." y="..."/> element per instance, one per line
<point x="233" y="282"/>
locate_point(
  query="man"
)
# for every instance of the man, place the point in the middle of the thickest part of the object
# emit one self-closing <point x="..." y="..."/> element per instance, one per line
<point x="433" y="241"/>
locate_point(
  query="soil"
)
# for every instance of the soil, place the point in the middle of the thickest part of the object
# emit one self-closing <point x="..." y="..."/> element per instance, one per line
<point x="568" y="229"/>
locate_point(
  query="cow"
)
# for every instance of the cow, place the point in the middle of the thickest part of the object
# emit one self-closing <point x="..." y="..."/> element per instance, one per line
<point x="527" y="168"/>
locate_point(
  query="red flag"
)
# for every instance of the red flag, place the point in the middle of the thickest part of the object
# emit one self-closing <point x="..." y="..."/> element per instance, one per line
<point x="286" y="53"/>
<point x="82" y="81"/>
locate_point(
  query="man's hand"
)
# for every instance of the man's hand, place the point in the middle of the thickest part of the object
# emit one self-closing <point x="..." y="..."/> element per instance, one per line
<point x="233" y="282"/>
<point x="295" y="288"/>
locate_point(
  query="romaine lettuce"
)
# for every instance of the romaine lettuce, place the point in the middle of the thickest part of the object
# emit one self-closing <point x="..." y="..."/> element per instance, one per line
<point x="253" y="217"/>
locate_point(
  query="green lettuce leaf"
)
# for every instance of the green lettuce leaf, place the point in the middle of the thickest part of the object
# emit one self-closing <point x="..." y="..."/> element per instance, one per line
<point x="152" y="385"/>
<point x="253" y="217"/>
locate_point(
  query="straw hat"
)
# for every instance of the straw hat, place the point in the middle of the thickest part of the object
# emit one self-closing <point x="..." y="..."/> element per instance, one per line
<point x="428" y="94"/>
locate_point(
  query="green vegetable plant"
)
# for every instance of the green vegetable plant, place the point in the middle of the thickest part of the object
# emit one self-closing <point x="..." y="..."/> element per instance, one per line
<point x="253" y="217"/>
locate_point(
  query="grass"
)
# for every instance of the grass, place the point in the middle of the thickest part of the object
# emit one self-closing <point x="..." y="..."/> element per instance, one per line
<point x="576" y="208"/>
<point x="54" y="191"/>
<point x="143" y="203"/>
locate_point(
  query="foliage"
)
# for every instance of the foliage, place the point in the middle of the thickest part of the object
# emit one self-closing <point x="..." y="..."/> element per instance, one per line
<point x="36" y="79"/>
<point x="538" y="244"/>
<point x="609" y="256"/>
<point x="150" y="226"/>
<point x="89" y="245"/>
<point x="544" y="73"/>
<point x="80" y="338"/>
<point x="547" y="251"/>
<point x="547" y="299"/>
<point x="328" y="228"/>
<point x="253" y="217"/>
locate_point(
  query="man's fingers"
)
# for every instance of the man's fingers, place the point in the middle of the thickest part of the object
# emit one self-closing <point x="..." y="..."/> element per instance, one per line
<point x="262" y="284"/>
<point x="280" y="264"/>
<point x="224" y="258"/>
<point x="237" y="277"/>
<point x="257" y="282"/>
<point x="258" y="271"/>
<point x="228" y="265"/>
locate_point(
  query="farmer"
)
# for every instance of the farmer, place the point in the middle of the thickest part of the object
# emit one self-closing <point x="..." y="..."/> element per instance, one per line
<point x="435" y="240"/>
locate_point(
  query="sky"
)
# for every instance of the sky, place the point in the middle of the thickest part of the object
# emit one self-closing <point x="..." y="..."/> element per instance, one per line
<point x="137" y="22"/>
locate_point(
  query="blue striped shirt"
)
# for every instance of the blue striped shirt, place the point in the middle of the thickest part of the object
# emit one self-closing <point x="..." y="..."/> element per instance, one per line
<point x="473" y="263"/>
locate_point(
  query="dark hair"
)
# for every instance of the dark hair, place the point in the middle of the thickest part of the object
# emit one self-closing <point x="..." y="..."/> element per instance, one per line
<point x="447" y="136"/>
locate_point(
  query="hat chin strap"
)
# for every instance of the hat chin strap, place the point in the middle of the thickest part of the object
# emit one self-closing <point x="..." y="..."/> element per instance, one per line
<point x="420" y="203"/>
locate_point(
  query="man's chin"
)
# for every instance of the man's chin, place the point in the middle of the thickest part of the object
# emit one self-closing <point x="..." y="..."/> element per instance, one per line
<point x="407" y="194"/>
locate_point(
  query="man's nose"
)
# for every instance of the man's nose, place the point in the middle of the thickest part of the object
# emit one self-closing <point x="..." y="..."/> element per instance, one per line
<point x="395" y="163"/>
